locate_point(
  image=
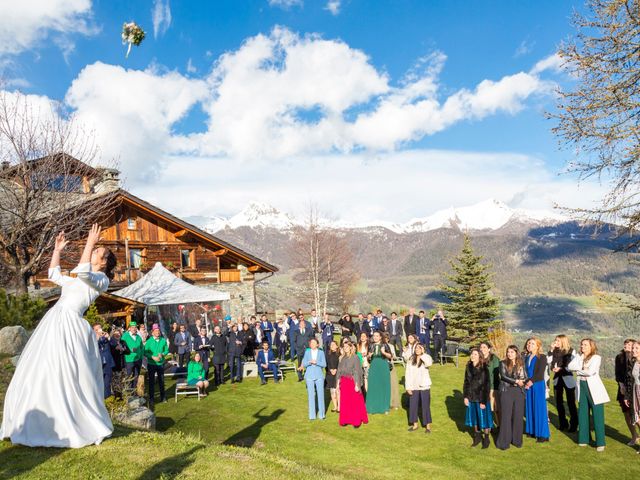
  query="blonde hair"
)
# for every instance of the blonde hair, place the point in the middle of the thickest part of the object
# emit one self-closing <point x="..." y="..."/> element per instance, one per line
<point x="564" y="343"/>
<point x="538" y="345"/>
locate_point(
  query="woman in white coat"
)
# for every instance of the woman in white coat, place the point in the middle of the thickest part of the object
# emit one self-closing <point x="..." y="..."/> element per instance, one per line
<point x="417" y="382"/>
<point x="591" y="393"/>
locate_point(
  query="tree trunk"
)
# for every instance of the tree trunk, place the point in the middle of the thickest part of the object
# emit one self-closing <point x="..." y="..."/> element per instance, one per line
<point x="19" y="282"/>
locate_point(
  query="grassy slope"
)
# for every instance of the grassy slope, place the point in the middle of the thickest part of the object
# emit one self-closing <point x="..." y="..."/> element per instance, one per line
<point x="272" y="419"/>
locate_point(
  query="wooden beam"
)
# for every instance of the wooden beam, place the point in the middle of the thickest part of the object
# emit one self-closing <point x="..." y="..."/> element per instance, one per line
<point x="181" y="233"/>
<point x="254" y="268"/>
<point x="221" y="252"/>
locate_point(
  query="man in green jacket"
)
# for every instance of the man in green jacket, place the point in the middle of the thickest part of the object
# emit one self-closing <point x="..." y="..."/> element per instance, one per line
<point x="155" y="350"/>
<point x="133" y="359"/>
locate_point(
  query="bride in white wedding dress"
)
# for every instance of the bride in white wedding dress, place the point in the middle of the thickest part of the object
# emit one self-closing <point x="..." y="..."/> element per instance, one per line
<point x="55" y="398"/>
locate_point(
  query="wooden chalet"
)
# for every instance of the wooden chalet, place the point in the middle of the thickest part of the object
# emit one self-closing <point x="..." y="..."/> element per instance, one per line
<point x="141" y="234"/>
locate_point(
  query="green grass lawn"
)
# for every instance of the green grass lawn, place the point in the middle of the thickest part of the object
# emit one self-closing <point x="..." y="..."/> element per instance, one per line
<point x="253" y="432"/>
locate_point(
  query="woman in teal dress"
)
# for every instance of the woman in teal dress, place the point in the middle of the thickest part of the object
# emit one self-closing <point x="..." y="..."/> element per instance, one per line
<point x="379" y="393"/>
<point x="196" y="375"/>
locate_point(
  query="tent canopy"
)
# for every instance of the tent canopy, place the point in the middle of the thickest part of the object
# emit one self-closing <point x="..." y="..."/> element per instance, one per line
<point x="161" y="287"/>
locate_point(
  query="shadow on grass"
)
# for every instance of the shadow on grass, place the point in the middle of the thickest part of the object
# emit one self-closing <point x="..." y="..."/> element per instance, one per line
<point x="164" y="423"/>
<point x="247" y="436"/>
<point x="455" y="409"/>
<point x="170" y="467"/>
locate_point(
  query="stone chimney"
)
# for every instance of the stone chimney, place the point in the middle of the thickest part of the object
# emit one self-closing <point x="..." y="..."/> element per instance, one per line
<point x="108" y="181"/>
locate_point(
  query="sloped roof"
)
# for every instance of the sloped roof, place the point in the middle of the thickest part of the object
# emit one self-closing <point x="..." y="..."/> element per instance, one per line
<point x="217" y="242"/>
<point x="161" y="287"/>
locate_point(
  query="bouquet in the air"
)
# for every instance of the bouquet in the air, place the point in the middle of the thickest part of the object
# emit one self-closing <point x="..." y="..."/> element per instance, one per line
<point x="132" y="34"/>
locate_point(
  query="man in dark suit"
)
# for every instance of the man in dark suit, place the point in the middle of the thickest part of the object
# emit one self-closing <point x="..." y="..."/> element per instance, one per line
<point x="439" y="332"/>
<point x="182" y="339"/>
<point x="301" y="338"/>
<point x="234" y="350"/>
<point x="219" y="345"/>
<point x="202" y="346"/>
<point x="395" y="333"/>
<point x="105" y="356"/>
<point x="364" y="325"/>
<point x="267" y="329"/>
<point x="265" y="359"/>
<point x="423" y="331"/>
<point x="410" y="322"/>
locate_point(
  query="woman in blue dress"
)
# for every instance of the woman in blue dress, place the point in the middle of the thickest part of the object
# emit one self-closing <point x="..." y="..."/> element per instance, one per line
<point x="476" y="398"/>
<point x="537" y="425"/>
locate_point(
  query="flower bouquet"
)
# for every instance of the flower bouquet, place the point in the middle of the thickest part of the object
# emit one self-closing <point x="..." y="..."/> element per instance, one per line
<point x="132" y="34"/>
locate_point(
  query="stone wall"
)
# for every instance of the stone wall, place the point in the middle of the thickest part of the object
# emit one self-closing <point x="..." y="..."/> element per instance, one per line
<point x="242" y="301"/>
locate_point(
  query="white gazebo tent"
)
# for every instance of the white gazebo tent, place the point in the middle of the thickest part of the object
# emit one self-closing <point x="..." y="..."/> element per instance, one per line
<point x="161" y="287"/>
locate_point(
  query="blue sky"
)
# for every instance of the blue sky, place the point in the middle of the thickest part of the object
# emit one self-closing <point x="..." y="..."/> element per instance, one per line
<point x="286" y="101"/>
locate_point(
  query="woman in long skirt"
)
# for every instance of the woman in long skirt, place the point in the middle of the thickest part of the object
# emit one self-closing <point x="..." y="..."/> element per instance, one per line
<point x="56" y="396"/>
<point x="393" y="376"/>
<point x="379" y="393"/>
<point x="537" y="424"/>
<point x="513" y="377"/>
<point x="476" y="398"/>
<point x="350" y="379"/>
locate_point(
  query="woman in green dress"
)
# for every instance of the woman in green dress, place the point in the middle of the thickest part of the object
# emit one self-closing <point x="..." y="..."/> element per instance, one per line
<point x="379" y="393"/>
<point x="196" y="375"/>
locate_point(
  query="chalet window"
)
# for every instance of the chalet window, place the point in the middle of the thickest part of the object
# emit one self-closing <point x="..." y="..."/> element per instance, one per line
<point x="57" y="183"/>
<point x="188" y="258"/>
<point x="131" y="224"/>
<point x="135" y="257"/>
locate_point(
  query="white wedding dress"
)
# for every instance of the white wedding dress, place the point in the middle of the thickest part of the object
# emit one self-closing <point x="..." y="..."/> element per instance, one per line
<point x="55" y="398"/>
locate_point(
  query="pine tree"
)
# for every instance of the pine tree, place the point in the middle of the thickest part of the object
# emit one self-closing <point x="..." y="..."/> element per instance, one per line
<point x="473" y="309"/>
<point x="92" y="316"/>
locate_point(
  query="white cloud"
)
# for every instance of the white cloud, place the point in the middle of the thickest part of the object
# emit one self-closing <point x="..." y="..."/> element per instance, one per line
<point x="292" y="118"/>
<point x="190" y="67"/>
<point x="524" y="48"/>
<point x="551" y="63"/>
<point x="133" y="112"/>
<point x="285" y="4"/>
<point x="161" y="16"/>
<point x="361" y="188"/>
<point x="25" y="23"/>
<point x="334" y="6"/>
<point x="283" y="95"/>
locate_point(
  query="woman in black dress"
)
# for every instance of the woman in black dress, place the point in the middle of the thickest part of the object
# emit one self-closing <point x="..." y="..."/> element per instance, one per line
<point x="333" y="358"/>
<point x="249" y="339"/>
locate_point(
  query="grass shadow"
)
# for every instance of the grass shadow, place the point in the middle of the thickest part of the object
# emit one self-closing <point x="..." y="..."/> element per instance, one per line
<point x="18" y="460"/>
<point x="247" y="436"/>
<point x="456" y="409"/>
<point x="170" y="467"/>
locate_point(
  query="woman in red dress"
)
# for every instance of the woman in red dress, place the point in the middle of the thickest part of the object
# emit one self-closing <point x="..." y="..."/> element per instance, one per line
<point x="350" y="379"/>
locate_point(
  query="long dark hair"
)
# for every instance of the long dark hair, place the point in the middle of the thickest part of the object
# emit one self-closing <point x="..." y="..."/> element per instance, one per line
<point x="513" y="366"/>
<point x="415" y="359"/>
<point x="110" y="264"/>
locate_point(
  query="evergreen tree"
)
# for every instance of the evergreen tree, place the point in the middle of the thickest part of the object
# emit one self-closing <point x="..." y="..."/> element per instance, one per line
<point x="92" y="316"/>
<point x="473" y="309"/>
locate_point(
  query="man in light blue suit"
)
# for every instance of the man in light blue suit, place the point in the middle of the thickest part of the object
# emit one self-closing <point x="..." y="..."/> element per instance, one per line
<point x="313" y="362"/>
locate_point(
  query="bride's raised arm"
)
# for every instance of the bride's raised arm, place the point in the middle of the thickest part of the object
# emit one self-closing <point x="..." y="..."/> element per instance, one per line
<point x="94" y="279"/>
<point x="92" y="239"/>
<point x="55" y="274"/>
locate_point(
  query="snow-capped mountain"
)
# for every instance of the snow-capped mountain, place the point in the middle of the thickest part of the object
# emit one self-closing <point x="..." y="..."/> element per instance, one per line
<point x="488" y="215"/>
<point x="254" y="215"/>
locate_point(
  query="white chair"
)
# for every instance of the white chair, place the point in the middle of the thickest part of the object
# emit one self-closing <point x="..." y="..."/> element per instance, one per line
<point x="183" y="388"/>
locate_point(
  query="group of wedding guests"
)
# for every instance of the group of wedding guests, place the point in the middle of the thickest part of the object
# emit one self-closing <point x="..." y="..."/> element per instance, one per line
<point x="512" y="393"/>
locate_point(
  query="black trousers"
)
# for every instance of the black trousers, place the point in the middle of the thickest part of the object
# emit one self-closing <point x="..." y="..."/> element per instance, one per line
<point x="235" y="367"/>
<point x="133" y="369"/>
<point x="183" y="359"/>
<point x="300" y="357"/>
<point x="107" y="373"/>
<point x="438" y="345"/>
<point x="511" y="418"/>
<point x="422" y="397"/>
<point x="219" y="373"/>
<point x="396" y="341"/>
<point x="559" y="389"/>
<point x="152" y="371"/>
